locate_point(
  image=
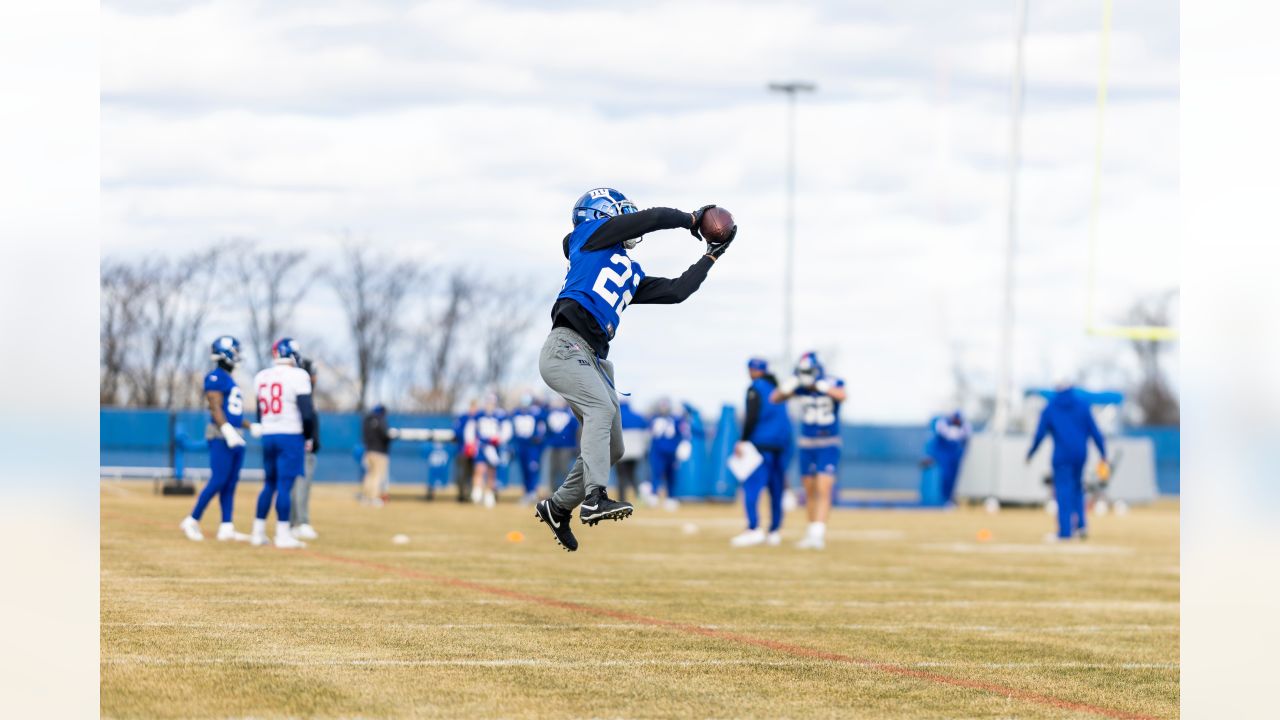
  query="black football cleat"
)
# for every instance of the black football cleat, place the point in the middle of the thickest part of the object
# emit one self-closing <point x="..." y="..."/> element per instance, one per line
<point x="558" y="521"/>
<point x="598" y="506"/>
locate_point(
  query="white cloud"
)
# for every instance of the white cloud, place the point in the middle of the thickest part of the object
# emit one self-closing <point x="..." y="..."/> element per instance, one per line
<point x="461" y="132"/>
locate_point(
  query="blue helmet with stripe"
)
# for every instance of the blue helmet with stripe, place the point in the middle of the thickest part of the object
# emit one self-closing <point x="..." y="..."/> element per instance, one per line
<point x="225" y="350"/>
<point x="601" y="203"/>
<point x="286" y="347"/>
<point x="809" y="368"/>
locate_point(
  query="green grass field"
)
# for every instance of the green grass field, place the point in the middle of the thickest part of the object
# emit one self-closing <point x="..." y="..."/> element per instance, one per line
<point x="905" y="615"/>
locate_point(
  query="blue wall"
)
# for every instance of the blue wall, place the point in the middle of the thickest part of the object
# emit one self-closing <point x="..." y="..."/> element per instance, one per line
<point x="876" y="457"/>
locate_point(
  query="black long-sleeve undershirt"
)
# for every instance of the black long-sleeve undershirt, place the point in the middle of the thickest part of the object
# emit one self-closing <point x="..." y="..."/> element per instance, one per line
<point x="633" y="225"/>
<point x="651" y="291"/>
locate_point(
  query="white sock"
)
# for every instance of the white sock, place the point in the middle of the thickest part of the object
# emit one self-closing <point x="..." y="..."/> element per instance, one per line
<point x="819" y="529"/>
<point x="191" y="519"/>
<point x="282" y="529"/>
<point x="259" y="527"/>
<point x="226" y="526"/>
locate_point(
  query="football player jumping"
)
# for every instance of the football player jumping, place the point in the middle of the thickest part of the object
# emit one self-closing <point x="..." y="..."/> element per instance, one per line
<point x="602" y="280"/>
<point x="820" y="398"/>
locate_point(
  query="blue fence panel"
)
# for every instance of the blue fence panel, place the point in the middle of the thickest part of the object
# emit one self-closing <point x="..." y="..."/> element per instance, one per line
<point x="1168" y="446"/>
<point x="875" y="457"/>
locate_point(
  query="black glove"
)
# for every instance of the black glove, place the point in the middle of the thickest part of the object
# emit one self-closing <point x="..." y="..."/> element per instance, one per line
<point x="696" y="228"/>
<point x="716" y="249"/>
<point x="315" y="445"/>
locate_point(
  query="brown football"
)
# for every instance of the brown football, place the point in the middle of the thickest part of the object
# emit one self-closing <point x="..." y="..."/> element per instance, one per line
<point x="716" y="225"/>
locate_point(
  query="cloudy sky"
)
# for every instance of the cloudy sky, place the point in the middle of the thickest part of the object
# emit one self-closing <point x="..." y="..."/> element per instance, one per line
<point x="461" y="132"/>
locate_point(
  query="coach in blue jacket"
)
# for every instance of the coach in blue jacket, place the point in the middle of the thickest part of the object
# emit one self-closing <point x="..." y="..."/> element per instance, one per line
<point x="1069" y="421"/>
<point x="767" y="427"/>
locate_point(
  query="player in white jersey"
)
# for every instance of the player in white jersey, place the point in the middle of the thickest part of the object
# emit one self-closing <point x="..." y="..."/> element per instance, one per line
<point x="288" y="420"/>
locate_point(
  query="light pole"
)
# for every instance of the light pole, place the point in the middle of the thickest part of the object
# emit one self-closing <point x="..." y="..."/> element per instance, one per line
<point x="788" y="278"/>
<point x="1004" y="388"/>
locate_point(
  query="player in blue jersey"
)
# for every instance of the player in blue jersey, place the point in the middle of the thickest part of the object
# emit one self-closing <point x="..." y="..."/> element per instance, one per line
<point x="667" y="431"/>
<point x="562" y="441"/>
<point x="819" y="398"/>
<point x="226" y="444"/>
<point x="528" y="430"/>
<point x="489" y="432"/>
<point x="767" y="428"/>
<point x="602" y="280"/>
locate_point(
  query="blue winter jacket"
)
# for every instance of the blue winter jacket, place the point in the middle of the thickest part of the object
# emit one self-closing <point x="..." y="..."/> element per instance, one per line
<point x="1068" y="420"/>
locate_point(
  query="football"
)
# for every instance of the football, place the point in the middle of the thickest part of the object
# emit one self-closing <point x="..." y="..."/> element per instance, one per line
<point x="716" y="224"/>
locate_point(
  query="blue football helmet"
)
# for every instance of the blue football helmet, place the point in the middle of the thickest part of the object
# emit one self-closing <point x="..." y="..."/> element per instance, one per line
<point x="225" y="350"/>
<point x="286" y="348"/>
<point x="809" y="369"/>
<point x="603" y="203"/>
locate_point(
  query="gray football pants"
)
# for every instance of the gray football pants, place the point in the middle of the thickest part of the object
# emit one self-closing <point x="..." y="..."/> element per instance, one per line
<point x="570" y="367"/>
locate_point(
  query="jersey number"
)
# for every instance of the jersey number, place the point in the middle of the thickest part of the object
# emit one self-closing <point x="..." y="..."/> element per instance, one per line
<point x="273" y="403"/>
<point x="608" y="275"/>
<point x="235" y="403"/>
<point x="819" y="411"/>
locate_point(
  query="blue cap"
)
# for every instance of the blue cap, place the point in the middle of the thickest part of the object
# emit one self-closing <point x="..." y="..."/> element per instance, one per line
<point x="759" y="364"/>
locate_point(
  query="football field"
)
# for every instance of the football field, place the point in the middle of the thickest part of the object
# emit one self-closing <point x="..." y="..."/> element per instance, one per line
<point x="905" y="615"/>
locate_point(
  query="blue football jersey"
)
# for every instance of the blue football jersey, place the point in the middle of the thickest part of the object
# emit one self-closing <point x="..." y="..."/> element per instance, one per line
<point x="819" y="412"/>
<point x="232" y="401"/>
<point x="527" y="425"/>
<point x="666" y="432"/>
<point x="601" y="281"/>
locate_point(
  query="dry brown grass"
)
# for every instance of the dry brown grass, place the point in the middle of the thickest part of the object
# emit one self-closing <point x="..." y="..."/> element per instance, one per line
<point x="905" y="615"/>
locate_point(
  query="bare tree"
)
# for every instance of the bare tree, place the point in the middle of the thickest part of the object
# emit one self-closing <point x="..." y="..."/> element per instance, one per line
<point x="175" y="299"/>
<point x="505" y="315"/>
<point x="372" y="287"/>
<point x="1152" y="392"/>
<point x="273" y="282"/>
<point x="119" y="320"/>
<point x="448" y="370"/>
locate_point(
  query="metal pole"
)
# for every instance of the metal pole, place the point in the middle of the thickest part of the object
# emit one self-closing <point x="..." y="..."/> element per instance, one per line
<point x="789" y="270"/>
<point x="788" y="277"/>
<point x="1000" y="423"/>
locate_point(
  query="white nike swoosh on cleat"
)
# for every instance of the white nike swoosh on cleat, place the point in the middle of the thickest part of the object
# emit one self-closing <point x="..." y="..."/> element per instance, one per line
<point x="551" y="520"/>
<point x="590" y="507"/>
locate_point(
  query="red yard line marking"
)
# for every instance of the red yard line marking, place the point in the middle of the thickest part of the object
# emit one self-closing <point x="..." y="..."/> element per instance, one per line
<point x="689" y="629"/>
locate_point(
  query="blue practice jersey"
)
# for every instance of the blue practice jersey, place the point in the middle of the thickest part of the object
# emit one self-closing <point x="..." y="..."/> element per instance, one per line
<point x="562" y="428"/>
<point x="601" y="281"/>
<point x="490" y="428"/>
<point x="528" y="425"/>
<point x="819" y="412"/>
<point x="232" y="400"/>
<point x="666" y="432"/>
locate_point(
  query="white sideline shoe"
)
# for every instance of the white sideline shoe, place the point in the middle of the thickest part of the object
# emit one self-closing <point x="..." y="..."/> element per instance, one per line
<point x="490" y="499"/>
<point x="671" y="505"/>
<point x="812" y="542"/>
<point x="747" y="538"/>
<point x="305" y="532"/>
<point x="227" y="531"/>
<point x="259" y="539"/>
<point x="774" y="539"/>
<point x="286" y="541"/>
<point x="191" y="527"/>
<point x="477" y="495"/>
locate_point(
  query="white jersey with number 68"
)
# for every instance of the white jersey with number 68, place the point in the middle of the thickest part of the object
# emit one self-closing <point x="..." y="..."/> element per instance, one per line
<point x="278" y="388"/>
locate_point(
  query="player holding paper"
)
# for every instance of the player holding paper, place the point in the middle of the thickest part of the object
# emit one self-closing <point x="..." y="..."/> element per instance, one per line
<point x="288" y="421"/>
<point x="819" y="398"/>
<point x="601" y="282"/>
<point x="226" y="444"/>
